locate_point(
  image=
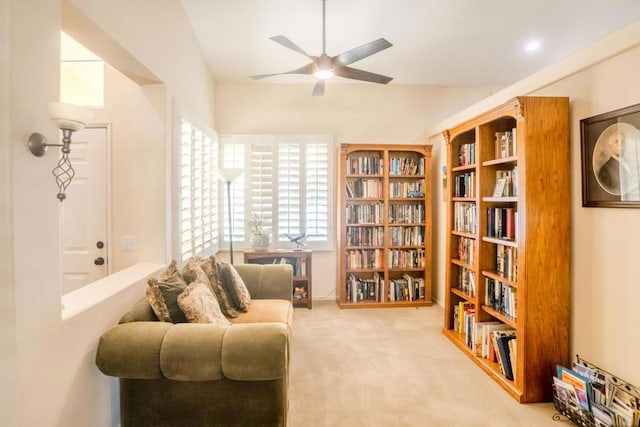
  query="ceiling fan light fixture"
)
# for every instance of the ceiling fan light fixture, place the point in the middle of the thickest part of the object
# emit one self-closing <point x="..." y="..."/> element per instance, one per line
<point x="323" y="74"/>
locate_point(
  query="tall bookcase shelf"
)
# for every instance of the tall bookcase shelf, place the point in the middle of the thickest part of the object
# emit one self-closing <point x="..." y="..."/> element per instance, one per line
<point x="384" y="226"/>
<point x="507" y="247"/>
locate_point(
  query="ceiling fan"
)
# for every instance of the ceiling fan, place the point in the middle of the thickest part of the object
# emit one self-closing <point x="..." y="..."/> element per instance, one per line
<point x="324" y="67"/>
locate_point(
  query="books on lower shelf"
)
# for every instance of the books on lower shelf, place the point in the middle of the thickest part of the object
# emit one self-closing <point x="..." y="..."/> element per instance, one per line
<point x="299" y="265"/>
<point x="501" y="297"/>
<point x="365" y="289"/>
<point x="406" y="288"/>
<point x="590" y="396"/>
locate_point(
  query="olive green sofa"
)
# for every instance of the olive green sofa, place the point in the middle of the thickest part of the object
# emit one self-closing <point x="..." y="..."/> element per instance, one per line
<point x="196" y="374"/>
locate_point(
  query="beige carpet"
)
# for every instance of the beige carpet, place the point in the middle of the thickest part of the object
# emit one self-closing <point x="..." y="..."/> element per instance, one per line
<point x="392" y="367"/>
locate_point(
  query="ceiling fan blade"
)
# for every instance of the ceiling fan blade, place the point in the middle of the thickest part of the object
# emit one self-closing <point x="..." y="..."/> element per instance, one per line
<point x="355" y="74"/>
<point x="284" y="41"/>
<point x="310" y="68"/>
<point x="318" y="89"/>
<point x="361" y="52"/>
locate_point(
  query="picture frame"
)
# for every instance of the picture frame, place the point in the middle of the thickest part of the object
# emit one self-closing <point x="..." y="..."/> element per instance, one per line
<point x="610" y="149"/>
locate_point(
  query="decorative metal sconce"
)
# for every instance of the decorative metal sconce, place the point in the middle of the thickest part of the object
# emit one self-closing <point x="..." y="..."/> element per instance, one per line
<point x="69" y="118"/>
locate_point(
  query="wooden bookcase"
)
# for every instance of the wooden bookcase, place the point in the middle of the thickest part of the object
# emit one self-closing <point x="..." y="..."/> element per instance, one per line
<point x="508" y="250"/>
<point x="384" y="226"/>
<point x="301" y="263"/>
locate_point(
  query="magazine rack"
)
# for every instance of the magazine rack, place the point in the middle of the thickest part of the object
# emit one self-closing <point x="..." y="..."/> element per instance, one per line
<point x="580" y="416"/>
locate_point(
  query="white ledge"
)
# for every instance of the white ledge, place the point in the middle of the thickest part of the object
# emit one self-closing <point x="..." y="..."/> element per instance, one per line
<point x="88" y="296"/>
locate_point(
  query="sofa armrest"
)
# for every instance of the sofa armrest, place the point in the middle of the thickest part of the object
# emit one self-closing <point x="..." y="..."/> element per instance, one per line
<point x="267" y="281"/>
<point x="194" y="351"/>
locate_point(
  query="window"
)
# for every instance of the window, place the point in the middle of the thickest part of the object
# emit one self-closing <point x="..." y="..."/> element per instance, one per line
<point x="285" y="183"/>
<point x="198" y="222"/>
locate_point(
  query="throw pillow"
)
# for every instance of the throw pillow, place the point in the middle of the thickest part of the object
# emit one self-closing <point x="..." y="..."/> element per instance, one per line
<point x="210" y="267"/>
<point x="162" y="293"/>
<point x="200" y="306"/>
<point x="235" y="286"/>
<point x="192" y="271"/>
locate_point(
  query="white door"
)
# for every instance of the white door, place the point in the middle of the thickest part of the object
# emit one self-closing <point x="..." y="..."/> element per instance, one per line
<point x="84" y="220"/>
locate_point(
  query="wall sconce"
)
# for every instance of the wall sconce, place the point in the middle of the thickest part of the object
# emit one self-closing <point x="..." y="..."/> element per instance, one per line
<point x="69" y="118"/>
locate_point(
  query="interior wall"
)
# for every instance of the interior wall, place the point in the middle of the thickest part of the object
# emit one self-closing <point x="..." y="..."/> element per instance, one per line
<point x="56" y="381"/>
<point x="137" y="118"/>
<point x="604" y="241"/>
<point x="364" y="113"/>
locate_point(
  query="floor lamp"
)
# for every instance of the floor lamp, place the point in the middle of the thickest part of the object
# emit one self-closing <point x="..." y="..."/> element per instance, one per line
<point x="228" y="176"/>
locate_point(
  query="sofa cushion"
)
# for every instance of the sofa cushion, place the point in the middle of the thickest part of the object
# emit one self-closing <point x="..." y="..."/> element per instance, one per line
<point x="267" y="310"/>
<point x="210" y="267"/>
<point x="162" y="293"/>
<point x="200" y="306"/>
<point x="235" y="286"/>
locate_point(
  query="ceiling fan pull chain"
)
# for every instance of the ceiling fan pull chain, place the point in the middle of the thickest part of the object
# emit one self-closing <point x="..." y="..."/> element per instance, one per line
<point x="324" y="27"/>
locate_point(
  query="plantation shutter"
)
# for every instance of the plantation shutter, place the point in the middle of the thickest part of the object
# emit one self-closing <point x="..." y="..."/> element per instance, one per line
<point x="198" y="217"/>
<point x="234" y="157"/>
<point x="289" y="189"/>
<point x="261" y="190"/>
<point x="317" y="191"/>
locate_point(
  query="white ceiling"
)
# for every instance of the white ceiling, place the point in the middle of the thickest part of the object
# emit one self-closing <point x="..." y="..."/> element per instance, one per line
<point x="436" y="42"/>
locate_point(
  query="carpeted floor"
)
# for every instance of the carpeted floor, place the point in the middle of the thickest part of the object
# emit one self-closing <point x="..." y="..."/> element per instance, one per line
<point x="392" y="367"/>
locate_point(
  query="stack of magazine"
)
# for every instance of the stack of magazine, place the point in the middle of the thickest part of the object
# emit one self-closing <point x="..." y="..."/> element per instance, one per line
<point x="591" y="396"/>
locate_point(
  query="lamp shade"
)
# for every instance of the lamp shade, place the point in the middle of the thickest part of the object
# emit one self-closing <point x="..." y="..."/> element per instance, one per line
<point x="229" y="174"/>
<point x="69" y="116"/>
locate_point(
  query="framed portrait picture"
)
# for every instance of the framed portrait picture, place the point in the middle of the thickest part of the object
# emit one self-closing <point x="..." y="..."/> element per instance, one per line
<point x="610" y="144"/>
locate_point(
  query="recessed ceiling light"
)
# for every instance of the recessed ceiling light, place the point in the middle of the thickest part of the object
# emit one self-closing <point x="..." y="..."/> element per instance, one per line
<point x="532" y="45"/>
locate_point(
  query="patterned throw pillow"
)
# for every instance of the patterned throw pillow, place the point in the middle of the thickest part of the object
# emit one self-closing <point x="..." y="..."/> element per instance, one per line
<point x="210" y="267"/>
<point x="193" y="271"/>
<point x="235" y="286"/>
<point x="162" y="293"/>
<point x="200" y="306"/>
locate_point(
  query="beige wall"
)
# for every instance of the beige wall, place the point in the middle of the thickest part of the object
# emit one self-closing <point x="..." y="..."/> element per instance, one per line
<point x="365" y="113"/>
<point x="605" y="242"/>
<point x="56" y="382"/>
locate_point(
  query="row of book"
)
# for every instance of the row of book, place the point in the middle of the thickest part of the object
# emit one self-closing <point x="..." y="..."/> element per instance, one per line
<point x="591" y="396"/>
<point x="492" y="340"/>
<point x="365" y="236"/>
<point x="501" y="223"/>
<point x="467" y="281"/>
<point x="466" y="249"/>
<point x="505" y="144"/>
<point x="406" y="258"/>
<point x="464" y="217"/>
<point x="372" y="165"/>
<point x="365" y="289"/>
<point x="501" y="297"/>
<point x="364" y="188"/>
<point x="366" y="213"/>
<point x="406" y="166"/>
<point x="507" y="262"/>
<point x="405" y="288"/>
<point x="407" y="236"/>
<point x="506" y="183"/>
<point x="465" y="185"/>
<point x="407" y="213"/>
<point x="364" y="259"/>
<point x="406" y="189"/>
<point x="299" y="264"/>
<point x="467" y="154"/>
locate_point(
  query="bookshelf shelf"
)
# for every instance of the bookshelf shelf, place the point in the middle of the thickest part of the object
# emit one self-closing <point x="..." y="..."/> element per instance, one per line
<point x="398" y="228"/>
<point x="301" y="263"/>
<point x="522" y="296"/>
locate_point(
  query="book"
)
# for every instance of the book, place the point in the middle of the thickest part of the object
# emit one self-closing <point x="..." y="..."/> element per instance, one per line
<point x="498" y="189"/>
<point x="566" y="393"/>
<point x="505" y="356"/>
<point x="581" y="384"/>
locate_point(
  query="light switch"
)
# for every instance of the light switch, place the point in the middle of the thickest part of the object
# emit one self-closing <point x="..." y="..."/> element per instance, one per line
<point x="129" y="243"/>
